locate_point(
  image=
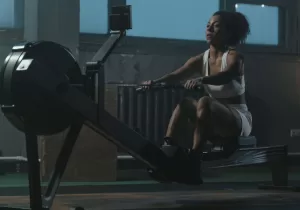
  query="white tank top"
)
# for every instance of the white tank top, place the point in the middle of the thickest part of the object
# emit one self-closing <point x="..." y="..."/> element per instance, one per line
<point x="234" y="88"/>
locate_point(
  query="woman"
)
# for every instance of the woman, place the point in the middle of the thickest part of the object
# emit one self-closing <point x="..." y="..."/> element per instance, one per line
<point x="224" y="112"/>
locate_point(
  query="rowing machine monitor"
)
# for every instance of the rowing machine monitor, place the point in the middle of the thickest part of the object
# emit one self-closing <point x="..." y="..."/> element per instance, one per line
<point x="120" y="21"/>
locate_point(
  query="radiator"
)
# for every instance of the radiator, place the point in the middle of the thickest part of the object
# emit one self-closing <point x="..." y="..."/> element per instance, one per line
<point x="148" y="112"/>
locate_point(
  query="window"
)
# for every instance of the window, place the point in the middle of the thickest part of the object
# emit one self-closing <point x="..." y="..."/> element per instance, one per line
<point x="175" y="19"/>
<point x="94" y="16"/>
<point x="11" y="14"/>
<point x="264" y="23"/>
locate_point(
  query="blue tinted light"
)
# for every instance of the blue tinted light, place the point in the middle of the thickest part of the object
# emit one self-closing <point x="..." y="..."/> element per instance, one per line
<point x="263" y="23"/>
<point x="175" y="19"/>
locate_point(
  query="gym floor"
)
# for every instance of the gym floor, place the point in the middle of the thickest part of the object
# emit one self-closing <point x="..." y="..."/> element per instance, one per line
<point x="233" y="190"/>
<point x="202" y="199"/>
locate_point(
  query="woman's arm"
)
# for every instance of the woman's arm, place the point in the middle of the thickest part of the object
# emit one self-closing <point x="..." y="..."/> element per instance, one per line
<point x="235" y="63"/>
<point x="190" y="68"/>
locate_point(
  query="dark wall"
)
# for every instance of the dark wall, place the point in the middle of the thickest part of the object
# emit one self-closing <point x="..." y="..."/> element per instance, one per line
<point x="273" y="90"/>
<point x="271" y="83"/>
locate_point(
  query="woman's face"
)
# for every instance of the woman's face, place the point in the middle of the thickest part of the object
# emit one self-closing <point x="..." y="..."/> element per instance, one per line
<point x="216" y="33"/>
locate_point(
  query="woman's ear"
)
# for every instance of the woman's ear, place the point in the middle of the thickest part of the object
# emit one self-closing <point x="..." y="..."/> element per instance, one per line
<point x="228" y="33"/>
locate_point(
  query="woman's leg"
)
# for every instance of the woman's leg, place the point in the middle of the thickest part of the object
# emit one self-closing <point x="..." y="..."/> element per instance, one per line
<point x="203" y="126"/>
<point x="184" y="111"/>
<point x="214" y="118"/>
<point x="209" y="118"/>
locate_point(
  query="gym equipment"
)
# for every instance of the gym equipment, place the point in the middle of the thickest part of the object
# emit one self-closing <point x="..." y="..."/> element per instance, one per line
<point x="166" y="86"/>
<point x="40" y="97"/>
<point x="242" y="152"/>
<point x="41" y="116"/>
<point x="34" y="110"/>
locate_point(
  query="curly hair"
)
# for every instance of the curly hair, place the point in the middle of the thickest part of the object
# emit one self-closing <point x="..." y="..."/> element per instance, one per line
<point x="237" y="24"/>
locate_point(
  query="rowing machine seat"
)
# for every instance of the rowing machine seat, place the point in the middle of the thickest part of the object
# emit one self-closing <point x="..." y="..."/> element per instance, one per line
<point x="224" y="151"/>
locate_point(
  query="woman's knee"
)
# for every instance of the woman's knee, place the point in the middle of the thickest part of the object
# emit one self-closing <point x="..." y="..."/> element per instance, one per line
<point x="187" y="106"/>
<point x="204" y="107"/>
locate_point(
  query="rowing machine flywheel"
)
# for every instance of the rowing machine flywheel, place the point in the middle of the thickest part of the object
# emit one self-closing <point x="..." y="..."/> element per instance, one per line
<point x="23" y="100"/>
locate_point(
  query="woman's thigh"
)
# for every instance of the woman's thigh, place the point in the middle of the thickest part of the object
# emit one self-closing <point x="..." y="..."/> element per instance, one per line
<point x="226" y="122"/>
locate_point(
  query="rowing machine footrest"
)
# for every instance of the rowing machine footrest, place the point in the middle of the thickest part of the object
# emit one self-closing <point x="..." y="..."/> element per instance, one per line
<point x="180" y="169"/>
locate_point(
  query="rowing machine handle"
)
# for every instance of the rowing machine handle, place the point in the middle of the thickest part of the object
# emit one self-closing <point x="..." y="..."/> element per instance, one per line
<point x="165" y="86"/>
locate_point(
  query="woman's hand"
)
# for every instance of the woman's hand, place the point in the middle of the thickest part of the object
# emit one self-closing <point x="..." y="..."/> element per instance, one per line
<point x="147" y="84"/>
<point x="192" y="84"/>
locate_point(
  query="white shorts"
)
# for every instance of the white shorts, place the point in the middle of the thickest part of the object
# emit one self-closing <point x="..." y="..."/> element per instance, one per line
<point x="245" y="116"/>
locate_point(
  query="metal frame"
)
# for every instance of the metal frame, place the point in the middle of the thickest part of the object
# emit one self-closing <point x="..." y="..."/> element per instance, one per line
<point x="33" y="168"/>
<point x="61" y="163"/>
<point x="95" y="68"/>
<point x="39" y="201"/>
<point x="86" y="108"/>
